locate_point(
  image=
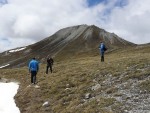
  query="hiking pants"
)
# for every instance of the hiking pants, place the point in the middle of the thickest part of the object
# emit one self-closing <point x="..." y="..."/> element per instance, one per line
<point x="102" y="56"/>
<point x="48" y="66"/>
<point x="33" y="77"/>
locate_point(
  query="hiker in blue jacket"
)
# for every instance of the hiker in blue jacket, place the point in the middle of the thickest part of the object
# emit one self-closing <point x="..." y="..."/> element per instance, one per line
<point x="102" y="50"/>
<point x="33" y="69"/>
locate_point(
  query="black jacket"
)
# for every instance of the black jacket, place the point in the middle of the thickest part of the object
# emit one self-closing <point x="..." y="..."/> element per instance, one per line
<point x="50" y="61"/>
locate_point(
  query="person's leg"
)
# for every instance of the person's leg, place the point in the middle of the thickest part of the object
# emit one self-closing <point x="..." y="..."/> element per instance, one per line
<point x="102" y="56"/>
<point x="32" y="74"/>
<point x="34" y="79"/>
<point x="51" y="68"/>
<point x="47" y="69"/>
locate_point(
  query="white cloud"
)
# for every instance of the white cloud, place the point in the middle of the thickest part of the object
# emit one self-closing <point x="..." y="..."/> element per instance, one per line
<point x="131" y="22"/>
<point x="31" y="21"/>
<point x="10" y="43"/>
<point x="28" y="26"/>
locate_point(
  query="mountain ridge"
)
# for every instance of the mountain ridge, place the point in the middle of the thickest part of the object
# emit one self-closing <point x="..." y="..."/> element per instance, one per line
<point x="69" y="41"/>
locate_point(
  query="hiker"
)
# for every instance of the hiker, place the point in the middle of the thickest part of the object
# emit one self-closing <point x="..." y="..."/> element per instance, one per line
<point x="102" y="50"/>
<point x="33" y="69"/>
<point x="50" y="62"/>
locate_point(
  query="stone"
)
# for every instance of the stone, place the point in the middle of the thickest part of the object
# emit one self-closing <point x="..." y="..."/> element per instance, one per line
<point x="46" y="104"/>
<point x="97" y="86"/>
<point x="87" y="96"/>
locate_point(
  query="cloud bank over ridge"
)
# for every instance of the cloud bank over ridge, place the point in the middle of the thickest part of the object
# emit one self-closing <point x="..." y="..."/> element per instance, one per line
<point x="25" y="22"/>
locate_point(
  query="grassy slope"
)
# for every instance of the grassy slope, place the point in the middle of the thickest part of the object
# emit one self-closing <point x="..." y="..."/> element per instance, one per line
<point x="66" y="87"/>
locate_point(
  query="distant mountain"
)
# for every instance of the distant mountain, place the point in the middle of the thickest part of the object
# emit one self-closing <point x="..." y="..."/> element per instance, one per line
<point x="66" y="43"/>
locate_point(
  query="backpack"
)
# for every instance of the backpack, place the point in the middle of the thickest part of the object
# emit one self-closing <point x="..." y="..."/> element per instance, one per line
<point x="105" y="49"/>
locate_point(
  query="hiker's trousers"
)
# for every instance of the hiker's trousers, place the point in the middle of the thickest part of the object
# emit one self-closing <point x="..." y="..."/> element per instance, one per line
<point x="49" y="66"/>
<point x="33" y="77"/>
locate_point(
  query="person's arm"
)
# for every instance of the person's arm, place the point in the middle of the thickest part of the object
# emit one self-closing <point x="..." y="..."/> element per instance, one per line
<point x="29" y="66"/>
<point x="105" y="48"/>
<point x="99" y="46"/>
<point x="37" y="66"/>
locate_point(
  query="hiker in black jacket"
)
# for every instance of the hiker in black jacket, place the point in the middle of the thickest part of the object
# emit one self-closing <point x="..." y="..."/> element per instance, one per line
<point x="50" y="62"/>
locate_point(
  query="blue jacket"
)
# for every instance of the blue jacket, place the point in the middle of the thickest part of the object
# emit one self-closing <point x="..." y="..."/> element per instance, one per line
<point x="33" y="65"/>
<point x="102" y="47"/>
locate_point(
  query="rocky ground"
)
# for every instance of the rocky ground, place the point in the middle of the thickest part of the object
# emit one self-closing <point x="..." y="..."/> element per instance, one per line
<point x="126" y="92"/>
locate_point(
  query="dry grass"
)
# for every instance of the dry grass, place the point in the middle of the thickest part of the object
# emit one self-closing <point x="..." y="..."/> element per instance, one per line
<point x="72" y="79"/>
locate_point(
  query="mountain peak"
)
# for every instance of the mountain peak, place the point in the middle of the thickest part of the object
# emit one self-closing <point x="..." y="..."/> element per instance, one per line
<point x="67" y="42"/>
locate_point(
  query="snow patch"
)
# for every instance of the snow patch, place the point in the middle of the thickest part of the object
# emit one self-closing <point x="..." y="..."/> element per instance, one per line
<point x="18" y="49"/>
<point x="7" y="103"/>
<point x="4" y="66"/>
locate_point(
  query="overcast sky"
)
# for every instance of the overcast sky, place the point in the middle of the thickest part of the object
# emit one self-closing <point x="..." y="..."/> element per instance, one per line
<point x="24" y="22"/>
